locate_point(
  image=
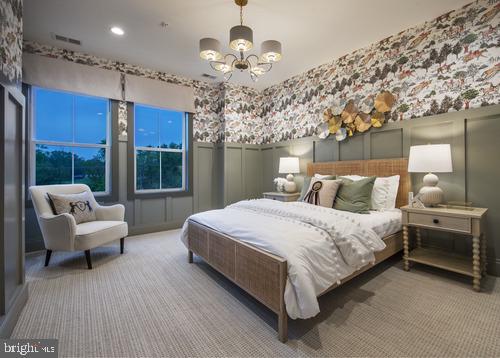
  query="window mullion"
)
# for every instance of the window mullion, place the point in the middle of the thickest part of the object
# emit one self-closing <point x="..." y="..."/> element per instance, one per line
<point x="159" y="147"/>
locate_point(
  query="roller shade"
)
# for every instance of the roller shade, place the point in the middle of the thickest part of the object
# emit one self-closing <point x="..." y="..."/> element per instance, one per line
<point x="64" y="75"/>
<point x="159" y="93"/>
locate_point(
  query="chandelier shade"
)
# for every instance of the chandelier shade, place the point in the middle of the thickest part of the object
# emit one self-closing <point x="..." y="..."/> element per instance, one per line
<point x="270" y="51"/>
<point x="210" y="49"/>
<point x="241" y="38"/>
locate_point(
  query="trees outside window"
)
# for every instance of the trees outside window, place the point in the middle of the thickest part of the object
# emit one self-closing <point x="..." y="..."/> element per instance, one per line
<point x="160" y="149"/>
<point x="70" y="139"/>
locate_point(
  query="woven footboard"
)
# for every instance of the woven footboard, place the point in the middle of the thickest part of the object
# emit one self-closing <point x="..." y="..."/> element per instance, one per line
<point x="261" y="274"/>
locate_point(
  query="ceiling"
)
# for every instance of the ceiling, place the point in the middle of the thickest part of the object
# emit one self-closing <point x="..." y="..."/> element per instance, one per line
<point x="312" y="32"/>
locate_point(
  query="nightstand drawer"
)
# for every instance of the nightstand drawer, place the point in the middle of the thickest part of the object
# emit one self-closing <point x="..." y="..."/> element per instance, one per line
<point x="440" y="222"/>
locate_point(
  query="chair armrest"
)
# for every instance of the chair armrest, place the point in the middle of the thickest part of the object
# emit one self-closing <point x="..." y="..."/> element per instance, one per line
<point x="110" y="213"/>
<point x="58" y="231"/>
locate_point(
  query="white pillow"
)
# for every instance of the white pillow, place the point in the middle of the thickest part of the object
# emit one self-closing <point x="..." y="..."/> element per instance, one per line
<point x="323" y="177"/>
<point x="385" y="191"/>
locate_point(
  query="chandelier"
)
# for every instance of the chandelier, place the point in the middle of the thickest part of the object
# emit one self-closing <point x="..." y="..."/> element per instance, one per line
<point x="240" y="40"/>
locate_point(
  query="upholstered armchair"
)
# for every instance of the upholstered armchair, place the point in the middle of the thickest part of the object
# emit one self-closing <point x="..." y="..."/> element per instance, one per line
<point x="60" y="232"/>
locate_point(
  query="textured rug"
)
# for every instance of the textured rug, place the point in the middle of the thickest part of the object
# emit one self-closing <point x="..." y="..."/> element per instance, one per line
<point x="150" y="302"/>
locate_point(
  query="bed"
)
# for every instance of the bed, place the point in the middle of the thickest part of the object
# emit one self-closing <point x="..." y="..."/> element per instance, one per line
<point x="256" y="257"/>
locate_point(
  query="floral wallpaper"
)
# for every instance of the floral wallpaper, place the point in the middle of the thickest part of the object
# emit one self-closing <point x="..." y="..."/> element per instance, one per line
<point x="447" y="64"/>
<point x="11" y="38"/>
<point x="215" y="103"/>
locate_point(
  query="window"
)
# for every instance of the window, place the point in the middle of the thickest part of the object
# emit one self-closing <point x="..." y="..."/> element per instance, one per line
<point x="160" y="149"/>
<point x="70" y="139"/>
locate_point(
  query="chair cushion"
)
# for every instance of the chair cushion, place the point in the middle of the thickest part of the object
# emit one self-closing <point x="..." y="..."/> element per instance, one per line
<point x="96" y="233"/>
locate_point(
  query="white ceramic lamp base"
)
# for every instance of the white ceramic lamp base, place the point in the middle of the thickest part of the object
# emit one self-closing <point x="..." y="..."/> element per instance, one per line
<point x="290" y="186"/>
<point x="430" y="193"/>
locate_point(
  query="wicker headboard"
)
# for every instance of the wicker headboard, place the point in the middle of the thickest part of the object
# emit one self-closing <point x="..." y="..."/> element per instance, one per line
<point x="373" y="167"/>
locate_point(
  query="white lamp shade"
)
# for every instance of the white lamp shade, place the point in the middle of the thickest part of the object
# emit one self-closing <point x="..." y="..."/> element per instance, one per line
<point x="270" y="51"/>
<point x="210" y="49"/>
<point x="431" y="158"/>
<point x="241" y="38"/>
<point x="289" y="165"/>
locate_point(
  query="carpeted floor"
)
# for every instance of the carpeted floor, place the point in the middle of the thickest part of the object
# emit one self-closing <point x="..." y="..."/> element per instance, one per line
<point x="151" y="302"/>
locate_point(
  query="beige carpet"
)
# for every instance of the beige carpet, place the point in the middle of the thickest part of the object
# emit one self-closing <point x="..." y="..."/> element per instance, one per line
<point x="151" y="302"/>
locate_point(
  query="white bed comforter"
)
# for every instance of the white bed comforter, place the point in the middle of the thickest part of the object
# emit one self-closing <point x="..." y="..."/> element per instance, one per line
<point x="321" y="245"/>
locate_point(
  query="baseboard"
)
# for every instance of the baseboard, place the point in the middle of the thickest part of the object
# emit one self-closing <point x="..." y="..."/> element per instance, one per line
<point x="8" y="322"/>
<point x="147" y="229"/>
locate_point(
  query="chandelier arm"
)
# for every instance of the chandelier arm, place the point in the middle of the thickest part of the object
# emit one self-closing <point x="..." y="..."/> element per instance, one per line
<point x="231" y="55"/>
<point x="260" y="64"/>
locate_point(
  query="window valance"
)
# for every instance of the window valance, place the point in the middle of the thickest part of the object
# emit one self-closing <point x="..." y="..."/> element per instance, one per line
<point x="64" y="75"/>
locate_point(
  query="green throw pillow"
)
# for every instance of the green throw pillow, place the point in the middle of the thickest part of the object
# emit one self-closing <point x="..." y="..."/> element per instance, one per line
<point x="307" y="182"/>
<point x="355" y="196"/>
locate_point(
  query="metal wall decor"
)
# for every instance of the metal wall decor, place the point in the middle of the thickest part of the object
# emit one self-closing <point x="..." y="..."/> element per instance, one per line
<point x="344" y="119"/>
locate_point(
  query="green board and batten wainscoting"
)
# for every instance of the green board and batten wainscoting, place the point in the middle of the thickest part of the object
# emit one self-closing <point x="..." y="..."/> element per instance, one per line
<point x="228" y="172"/>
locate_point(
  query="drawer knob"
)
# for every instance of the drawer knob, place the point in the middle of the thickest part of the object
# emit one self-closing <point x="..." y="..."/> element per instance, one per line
<point x="435" y="221"/>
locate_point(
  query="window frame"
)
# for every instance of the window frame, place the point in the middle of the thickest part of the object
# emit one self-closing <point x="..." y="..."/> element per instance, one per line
<point x="33" y="142"/>
<point x="187" y="160"/>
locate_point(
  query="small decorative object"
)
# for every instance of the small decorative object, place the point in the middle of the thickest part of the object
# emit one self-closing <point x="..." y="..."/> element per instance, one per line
<point x="384" y="101"/>
<point x="431" y="158"/>
<point x="378" y="118"/>
<point x="350" y="112"/>
<point x="323" y="130"/>
<point x="280" y="184"/>
<point x="416" y="202"/>
<point x="345" y="121"/>
<point x="334" y="124"/>
<point x="289" y="165"/>
<point x="341" y="134"/>
<point x="362" y="122"/>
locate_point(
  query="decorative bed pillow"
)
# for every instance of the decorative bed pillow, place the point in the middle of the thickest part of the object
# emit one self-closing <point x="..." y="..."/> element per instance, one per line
<point x="322" y="192"/>
<point x="355" y="196"/>
<point x="79" y="205"/>
<point x="325" y="177"/>
<point x="307" y="182"/>
<point x="385" y="191"/>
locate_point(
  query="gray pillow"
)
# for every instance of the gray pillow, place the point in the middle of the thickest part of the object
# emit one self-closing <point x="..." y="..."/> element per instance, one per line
<point x="355" y="196"/>
<point x="79" y="205"/>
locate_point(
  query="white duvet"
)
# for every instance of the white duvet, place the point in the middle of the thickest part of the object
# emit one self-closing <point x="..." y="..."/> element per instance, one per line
<point x="321" y="245"/>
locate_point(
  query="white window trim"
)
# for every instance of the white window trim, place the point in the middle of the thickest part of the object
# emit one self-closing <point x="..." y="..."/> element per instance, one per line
<point x="106" y="147"/>
<point x="152" y="149"/>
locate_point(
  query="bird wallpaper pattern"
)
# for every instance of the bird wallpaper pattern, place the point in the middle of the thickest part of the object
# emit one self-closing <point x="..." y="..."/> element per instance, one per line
<point x="447" y="64"/>
<point x="11" y="37"/>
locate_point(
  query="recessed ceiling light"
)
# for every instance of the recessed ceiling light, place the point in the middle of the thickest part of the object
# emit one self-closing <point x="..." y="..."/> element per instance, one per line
<point x="117" y="30"/>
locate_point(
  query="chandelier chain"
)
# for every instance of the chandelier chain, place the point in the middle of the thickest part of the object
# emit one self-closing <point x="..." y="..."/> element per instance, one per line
<point x="241" y="15"/>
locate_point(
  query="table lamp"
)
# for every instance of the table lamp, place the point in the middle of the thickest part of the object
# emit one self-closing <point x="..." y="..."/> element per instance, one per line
<point x="290" y="166"/>
<point x="430" y="158"/>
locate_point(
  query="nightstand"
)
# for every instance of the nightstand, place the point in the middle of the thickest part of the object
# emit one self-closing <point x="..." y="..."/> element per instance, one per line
<point x="276" y="195"/>
<point x="460" y="221"/>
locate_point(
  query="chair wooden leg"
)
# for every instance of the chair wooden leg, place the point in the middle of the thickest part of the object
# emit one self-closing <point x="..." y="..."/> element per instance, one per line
<point x="89" y="261"/>
<point x="122" y="245"/>
<point x="47" y="257"/>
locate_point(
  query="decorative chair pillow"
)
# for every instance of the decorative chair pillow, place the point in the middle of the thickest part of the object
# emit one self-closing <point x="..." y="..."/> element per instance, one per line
<point x="79" y="205"/>
<point x="385" y="191"/>
<point x="322" y="192"/>
<point x="355" y="196"/>
<point x="307" y="182"/>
